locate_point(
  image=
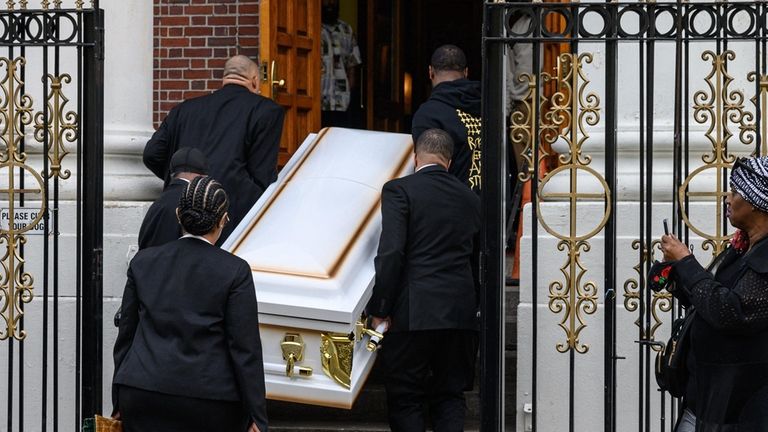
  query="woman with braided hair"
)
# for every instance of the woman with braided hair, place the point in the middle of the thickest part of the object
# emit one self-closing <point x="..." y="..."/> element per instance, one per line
<point x="727" y="386"/>
<point x="188" y="352"/>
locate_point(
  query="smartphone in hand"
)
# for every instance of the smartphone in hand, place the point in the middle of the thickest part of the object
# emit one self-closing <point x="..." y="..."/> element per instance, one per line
<point x="666" y="226"/>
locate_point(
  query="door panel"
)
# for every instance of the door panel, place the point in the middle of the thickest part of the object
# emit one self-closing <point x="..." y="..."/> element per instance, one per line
<point x="383" y="64"/>
<point x="289" y="47"/>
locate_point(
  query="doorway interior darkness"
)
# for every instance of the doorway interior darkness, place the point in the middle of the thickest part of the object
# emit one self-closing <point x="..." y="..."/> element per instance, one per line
<point x="396" y="39"/>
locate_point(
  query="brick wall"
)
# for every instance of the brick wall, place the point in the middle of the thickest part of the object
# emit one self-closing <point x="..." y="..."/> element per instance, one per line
<point x="192" y="40"/>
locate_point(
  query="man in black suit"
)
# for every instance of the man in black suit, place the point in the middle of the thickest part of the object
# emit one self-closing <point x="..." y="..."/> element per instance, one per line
<point x="426" y="289"/>
<point x="237" y="130"/>
<point x="160" y="224"/>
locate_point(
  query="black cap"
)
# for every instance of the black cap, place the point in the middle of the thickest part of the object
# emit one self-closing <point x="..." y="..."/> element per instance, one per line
<point x="188" y="159"/>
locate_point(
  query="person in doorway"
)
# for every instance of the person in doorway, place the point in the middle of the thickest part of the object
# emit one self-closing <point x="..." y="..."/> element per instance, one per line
<point x="727" y="387"/>
<point x="340" y="59"/>
<point x="160" y="224"/>
<point x="236" y="129"/>
<point x="454" y="107"/>
<point x="426" y="289"/>
<point x="188" y="352"/>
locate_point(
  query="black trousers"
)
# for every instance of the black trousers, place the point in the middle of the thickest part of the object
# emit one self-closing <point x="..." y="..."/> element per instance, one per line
<point x="429" y="368"/>
<point x="148" y="411"/>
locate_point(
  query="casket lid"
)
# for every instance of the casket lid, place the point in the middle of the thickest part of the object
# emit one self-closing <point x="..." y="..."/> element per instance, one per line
<point x="311" y="238"/>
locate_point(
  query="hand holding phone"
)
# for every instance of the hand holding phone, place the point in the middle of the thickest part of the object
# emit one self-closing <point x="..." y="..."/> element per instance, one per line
<point x="666" y="226"/>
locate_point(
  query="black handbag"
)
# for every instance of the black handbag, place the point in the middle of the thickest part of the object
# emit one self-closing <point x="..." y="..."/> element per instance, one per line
<point x="671" y="366"/>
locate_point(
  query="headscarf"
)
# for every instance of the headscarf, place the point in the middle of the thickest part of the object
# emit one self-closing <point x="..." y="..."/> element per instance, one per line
<point x="749" y="178"/>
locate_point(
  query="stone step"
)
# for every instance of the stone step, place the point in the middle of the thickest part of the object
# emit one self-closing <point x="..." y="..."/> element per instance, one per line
<point x="347" y="426"/>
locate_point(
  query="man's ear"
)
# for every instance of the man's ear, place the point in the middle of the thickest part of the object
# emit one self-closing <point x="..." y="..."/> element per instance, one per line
<point x="431" y="73"/>
<point x="466" y="72"/>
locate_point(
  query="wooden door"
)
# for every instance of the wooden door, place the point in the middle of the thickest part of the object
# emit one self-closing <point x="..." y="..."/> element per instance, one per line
<point x="384" y="81"/>
<point x="289" y="47"/>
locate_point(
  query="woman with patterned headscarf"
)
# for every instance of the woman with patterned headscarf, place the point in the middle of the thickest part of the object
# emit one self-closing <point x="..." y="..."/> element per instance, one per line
<point x="727" y="388"/>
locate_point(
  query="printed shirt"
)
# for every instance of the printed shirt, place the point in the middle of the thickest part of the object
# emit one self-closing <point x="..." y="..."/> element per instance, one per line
<point x="339" y="51"/>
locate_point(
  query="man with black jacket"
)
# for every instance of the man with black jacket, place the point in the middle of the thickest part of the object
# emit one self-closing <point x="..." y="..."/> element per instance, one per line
<point x="237" y="130"/>
<point x="426" y="289"/>
<point x="160" y="224"/>
<point x="454" y="107"/>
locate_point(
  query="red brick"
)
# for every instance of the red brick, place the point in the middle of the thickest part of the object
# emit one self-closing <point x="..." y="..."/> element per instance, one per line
<point x="167" y="106"/>
<point x="249" y="41"/>
<point x="252" y="52"/>
<point x="198" y="10"/>
<point x="174" y="73"/>
<point x="192" y="74"/>
<point x="198" y="31"/>
<point x="176" y="31"/>
<point x="198" y="52"/>
<point x="174" y="63"/>
<point x="222" y="20"/>
<point x="177" y="20"/>
<point x="248" y="30"/>
<point x="216" y="63"/>
<point x="198" y="85"/>
<point x="221" y="41"/>
<point x="245" y="9"/>
<point x="175" y="10"/>
<point x="197" y="42"/>
<point x="174" y="42"/>
<point x="220" y="9"/>
<point x="197" y="64"/>
<point x="176" y="85"/>
<point x="199" y="20"/>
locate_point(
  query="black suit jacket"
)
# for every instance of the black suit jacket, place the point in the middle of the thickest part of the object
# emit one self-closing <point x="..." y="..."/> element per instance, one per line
<point x="238" y="131"/>
<point x="425" y="267"/>
<point x="190" y="327"/>
<point x="160" y="224"/>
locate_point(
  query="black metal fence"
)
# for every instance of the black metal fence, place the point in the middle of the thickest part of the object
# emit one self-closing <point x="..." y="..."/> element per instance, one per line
<point x="645" y="108"/>
<point x="51" y="203"/>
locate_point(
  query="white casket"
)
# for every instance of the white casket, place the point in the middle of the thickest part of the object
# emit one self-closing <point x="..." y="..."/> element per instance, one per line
<point x="310" y="241"/>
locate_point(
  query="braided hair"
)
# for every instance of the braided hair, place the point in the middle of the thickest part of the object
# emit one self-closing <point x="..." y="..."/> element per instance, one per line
<point x="202" y="205"/>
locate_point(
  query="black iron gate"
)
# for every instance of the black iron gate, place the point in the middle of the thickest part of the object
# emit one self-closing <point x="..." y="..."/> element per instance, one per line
<point x="645" y="109"/>
<point x="51" y="203"/>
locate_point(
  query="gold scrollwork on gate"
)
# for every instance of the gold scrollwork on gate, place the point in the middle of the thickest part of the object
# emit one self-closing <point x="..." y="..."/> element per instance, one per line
<point x="749" y="128"/>
<point x="572" y="108"/>
<point x="719" y="107"/>
<point x="660" y="301"/>
<point x="16" y="285"/>
<point x="523" y="124"/>
<point x="61" y="126"/>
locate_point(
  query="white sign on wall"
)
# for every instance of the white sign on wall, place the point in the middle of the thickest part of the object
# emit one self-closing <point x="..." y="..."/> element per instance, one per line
<point x="23" y="218"/>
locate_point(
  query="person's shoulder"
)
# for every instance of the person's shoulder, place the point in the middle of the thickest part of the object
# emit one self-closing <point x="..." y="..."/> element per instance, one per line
<point x="148" y="256"/>
<point x="758" y="257"/>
